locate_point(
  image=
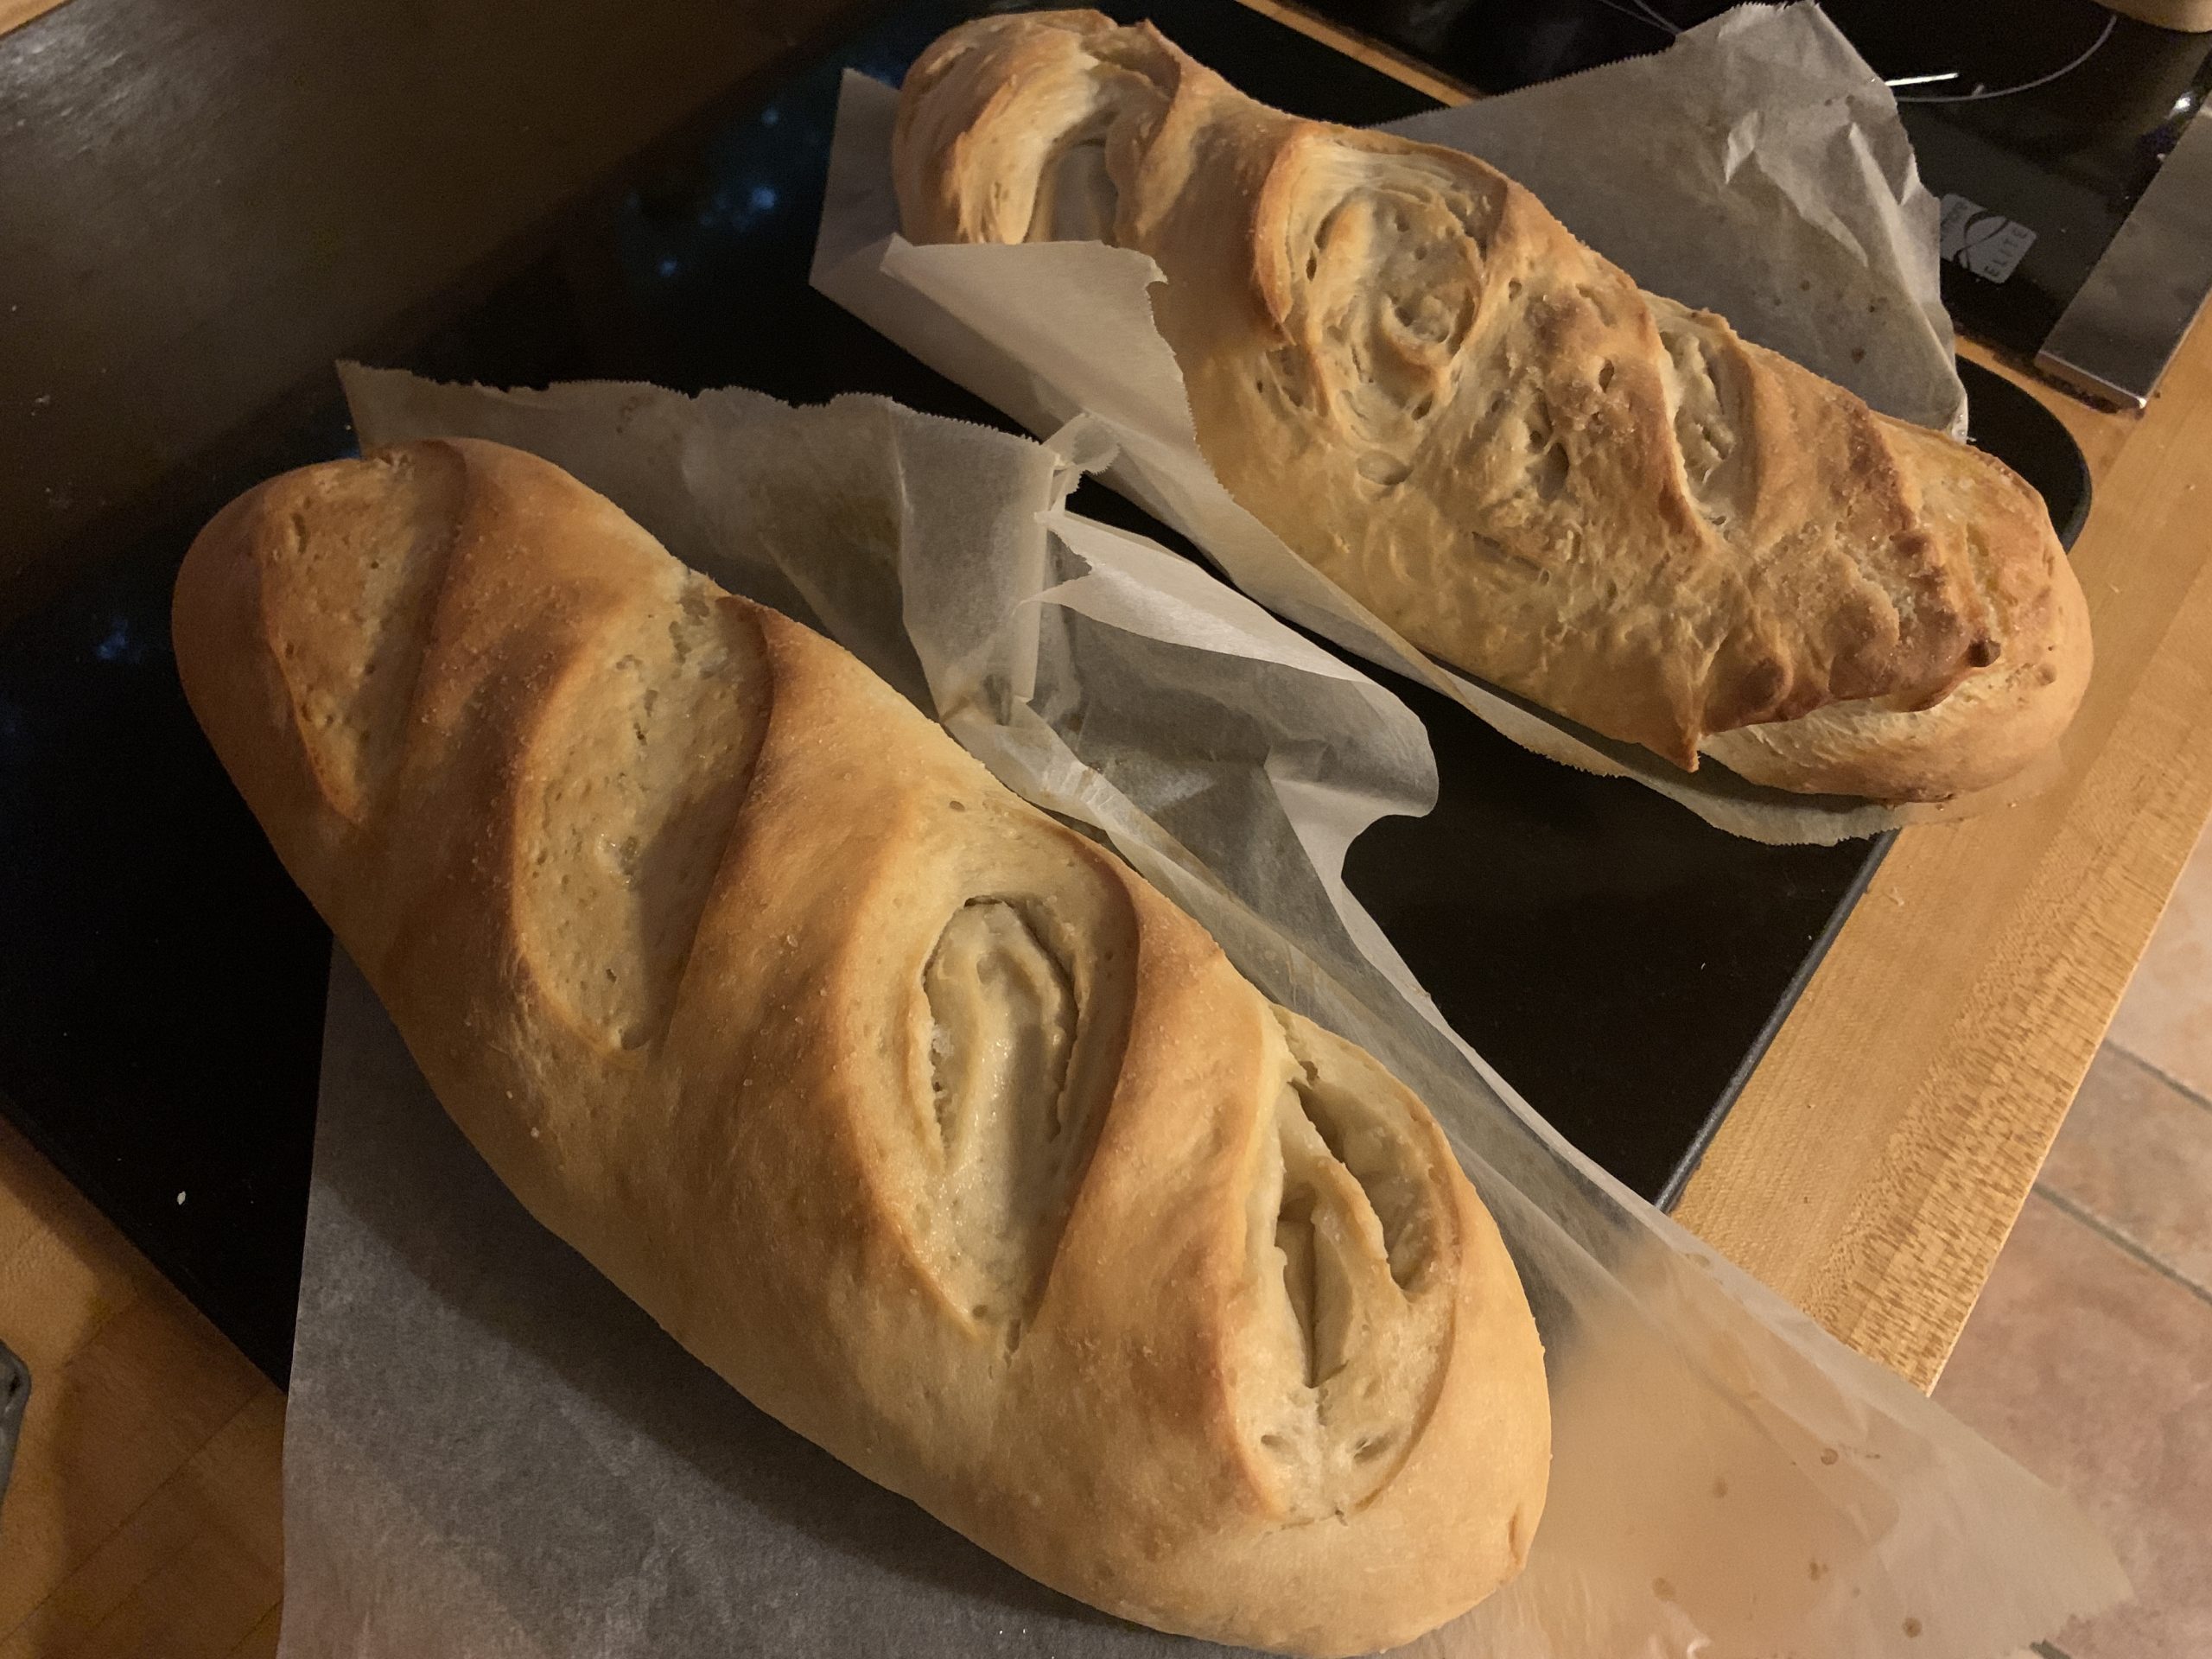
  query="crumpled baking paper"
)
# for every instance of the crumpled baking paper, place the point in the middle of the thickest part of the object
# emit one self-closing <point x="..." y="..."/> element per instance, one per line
<point x="1756" y="166"/>
<point x="490" y="1451"/>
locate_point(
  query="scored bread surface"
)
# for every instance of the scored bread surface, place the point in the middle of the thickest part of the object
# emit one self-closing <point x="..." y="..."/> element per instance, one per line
<point x="1484" y="432"/>
<point x="918" y="1116"/>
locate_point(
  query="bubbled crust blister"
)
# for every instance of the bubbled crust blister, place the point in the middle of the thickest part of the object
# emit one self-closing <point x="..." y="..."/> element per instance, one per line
<point x="918" y="1117"/>
<point x="1400" y="363"/>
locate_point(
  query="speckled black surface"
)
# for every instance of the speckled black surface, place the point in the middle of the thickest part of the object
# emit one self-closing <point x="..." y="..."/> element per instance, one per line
<point x="162" y="981"/>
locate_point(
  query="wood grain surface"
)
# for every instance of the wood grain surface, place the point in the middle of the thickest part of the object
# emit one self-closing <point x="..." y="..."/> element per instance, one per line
<point x="1875" y="1164"/>
<point x="144" y="1516"/>
<point x="14" y="14"/>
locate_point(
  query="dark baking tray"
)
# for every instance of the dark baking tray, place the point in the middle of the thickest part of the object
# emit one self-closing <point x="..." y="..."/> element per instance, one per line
<point x="162" y="983"/>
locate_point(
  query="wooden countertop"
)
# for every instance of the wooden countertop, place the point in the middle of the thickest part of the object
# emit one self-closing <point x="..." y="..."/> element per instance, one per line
<point x="14" y="14"/>
<point x="145" y="1516"/>
<point x="1870" y="1172"/>
<point x="1877" y="1161"/>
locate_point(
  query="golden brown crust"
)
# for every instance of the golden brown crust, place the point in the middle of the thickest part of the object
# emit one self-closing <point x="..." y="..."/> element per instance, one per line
<point x="916" y="1115"/>
<point x="1486" y="434"/>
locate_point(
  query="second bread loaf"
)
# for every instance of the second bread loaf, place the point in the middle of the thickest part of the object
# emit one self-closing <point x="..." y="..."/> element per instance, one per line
<point x="1407" y="368"/>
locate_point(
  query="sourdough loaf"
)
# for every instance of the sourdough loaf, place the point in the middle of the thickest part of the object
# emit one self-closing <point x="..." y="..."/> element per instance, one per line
<point x="1486" y="434"/>
<point x="918" y="1116"/>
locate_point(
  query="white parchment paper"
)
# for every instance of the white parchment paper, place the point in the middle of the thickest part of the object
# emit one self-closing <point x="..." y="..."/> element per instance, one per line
<point x="489" y="1450"/>
<point x="1756" y="166"/>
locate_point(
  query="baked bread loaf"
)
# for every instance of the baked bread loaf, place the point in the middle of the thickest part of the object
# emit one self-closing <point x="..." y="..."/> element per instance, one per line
<point x="1594" y="496"/>
<point x="916" y="1115"/>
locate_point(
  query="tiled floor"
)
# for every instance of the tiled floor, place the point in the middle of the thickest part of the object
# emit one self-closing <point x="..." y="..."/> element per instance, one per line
<point x="2090" y="1356"/>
